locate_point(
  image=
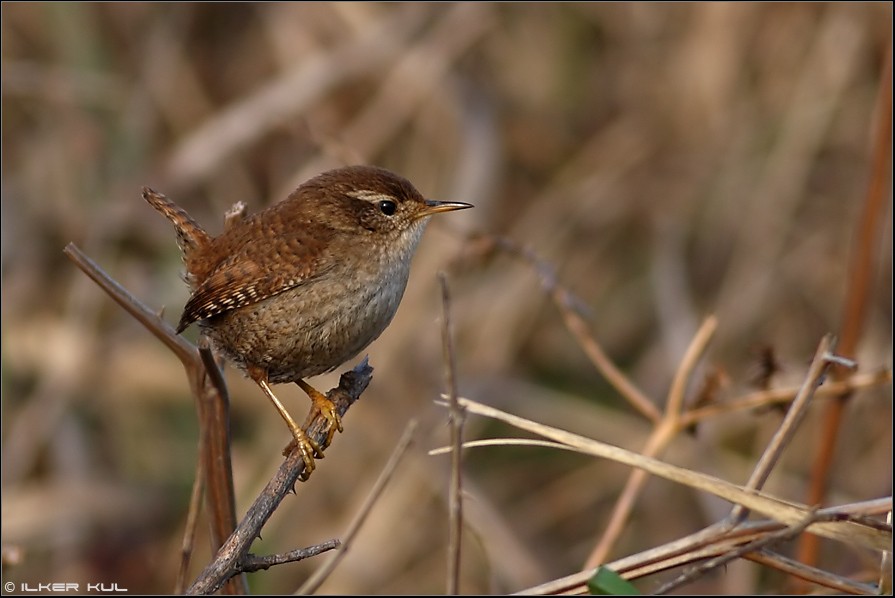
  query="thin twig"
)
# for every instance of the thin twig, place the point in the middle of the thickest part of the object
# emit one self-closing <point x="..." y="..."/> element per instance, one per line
<point x="253" y="562"/>
<point x="319" y="576"/>
<point x="691" y="548"/>
<point x="666" y="430"/>
<point x="788" y="426"/>
<point x="192" y="521"/>
<point x="184" y="350"/>
<point x="598" y="357"/>
<point x="812" y="574"/>
<point x="573" y="313"/>
<point x="785" y="395"/>
<point x="703" y="568"/>
<point x="456" y="416"/>
<point x="674" y="405"/>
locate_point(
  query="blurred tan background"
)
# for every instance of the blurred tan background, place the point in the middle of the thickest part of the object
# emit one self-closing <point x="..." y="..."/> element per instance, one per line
<point x="669" y="161"/>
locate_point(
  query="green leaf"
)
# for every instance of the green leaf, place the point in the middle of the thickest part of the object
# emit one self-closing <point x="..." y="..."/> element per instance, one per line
<point x="606" y="582"/>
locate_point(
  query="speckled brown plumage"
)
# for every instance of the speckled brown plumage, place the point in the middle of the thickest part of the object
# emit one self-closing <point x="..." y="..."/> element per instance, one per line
<point x="301" y="287"/>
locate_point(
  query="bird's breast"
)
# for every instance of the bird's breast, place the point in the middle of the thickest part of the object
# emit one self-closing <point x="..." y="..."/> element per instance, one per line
<point x="316" y="326"/>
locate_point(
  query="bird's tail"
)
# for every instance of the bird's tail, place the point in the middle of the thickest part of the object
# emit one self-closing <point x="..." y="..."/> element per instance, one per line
<point x="191" y="238"/>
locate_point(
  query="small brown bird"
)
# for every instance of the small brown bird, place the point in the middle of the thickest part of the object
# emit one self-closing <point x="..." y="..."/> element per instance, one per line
<point x="305" y="285"/>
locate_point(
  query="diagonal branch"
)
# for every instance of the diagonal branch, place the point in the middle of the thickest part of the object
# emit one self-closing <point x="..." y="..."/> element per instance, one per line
<point x="212" y="405"/>
<point x="229" y="559"/>
<point x="788" y="426"/>
<point x="573" y="311"/>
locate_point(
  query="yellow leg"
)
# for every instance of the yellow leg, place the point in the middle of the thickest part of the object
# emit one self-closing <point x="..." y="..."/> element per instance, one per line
<point x="308" y="448"/>
<point x="322" y="405"/>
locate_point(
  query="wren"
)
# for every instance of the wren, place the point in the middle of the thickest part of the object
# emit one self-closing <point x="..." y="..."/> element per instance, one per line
<point x="306" y="284"/>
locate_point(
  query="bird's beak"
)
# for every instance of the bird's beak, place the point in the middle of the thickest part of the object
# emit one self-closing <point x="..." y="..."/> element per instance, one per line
<point x="434" y="207"/>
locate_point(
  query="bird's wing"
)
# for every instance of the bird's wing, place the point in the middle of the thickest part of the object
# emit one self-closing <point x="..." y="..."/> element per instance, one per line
<point x="254" y="272"/>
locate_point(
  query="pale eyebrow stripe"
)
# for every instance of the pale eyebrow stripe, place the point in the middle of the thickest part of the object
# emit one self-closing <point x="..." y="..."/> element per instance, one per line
<point x="370" y="195"/>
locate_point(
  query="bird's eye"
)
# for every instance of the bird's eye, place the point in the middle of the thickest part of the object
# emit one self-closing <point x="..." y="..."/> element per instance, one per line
<point x="387" y="207"/>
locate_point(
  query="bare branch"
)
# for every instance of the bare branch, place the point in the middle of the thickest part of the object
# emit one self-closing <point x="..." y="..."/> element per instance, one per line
<point x="252" y="562"/>
<point x="574" y="313"/>
<point x="457" y="415"/>
<point x="192" y="521"/>
<point x="212" y="403"/>
<point x="228" y="560"/>
<point x="788" y="426"/>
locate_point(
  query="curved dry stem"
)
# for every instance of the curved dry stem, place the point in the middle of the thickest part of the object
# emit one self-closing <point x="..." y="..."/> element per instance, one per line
<point x="675" y="403"/>
<point x="668" y="427"/>
<point x="710" y="541"/>
<point x="783" y="511"/>
<point x="570" y="308"/>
